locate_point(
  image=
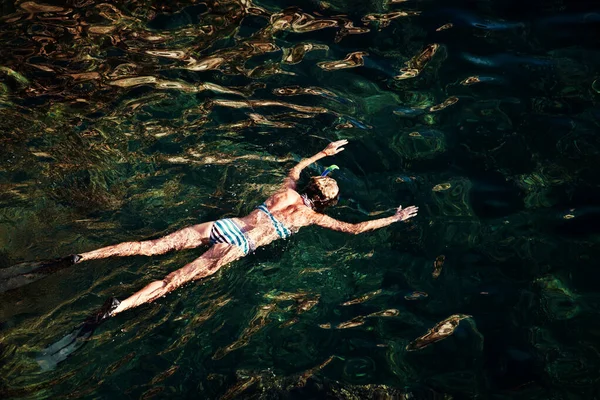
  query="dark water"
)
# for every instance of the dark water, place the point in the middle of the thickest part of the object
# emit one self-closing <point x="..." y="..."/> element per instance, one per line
<point x="125" y="121"/>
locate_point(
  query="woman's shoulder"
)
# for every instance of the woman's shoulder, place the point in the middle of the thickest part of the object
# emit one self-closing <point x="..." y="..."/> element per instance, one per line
<point x="285" y="195"/>
<point x="282" y="199"/>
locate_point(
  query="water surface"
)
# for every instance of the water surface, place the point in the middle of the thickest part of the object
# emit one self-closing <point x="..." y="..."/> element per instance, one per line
<point x="129" y="121"/>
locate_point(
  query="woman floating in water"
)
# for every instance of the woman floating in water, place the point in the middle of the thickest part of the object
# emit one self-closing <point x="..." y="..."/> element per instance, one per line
<point x="278" y="217"/>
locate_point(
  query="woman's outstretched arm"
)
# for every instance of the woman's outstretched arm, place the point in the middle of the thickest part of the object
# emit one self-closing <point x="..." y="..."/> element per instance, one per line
<point x="332" y="223"/>
<point x="332" y="149"/>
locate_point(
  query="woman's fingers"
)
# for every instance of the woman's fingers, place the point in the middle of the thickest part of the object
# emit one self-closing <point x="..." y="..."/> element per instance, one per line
<point x="335" y="147"/>
<point x="408" y="212"/>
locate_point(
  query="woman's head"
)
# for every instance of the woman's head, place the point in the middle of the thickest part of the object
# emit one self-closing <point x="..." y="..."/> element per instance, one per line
<point x="323" y="191"/>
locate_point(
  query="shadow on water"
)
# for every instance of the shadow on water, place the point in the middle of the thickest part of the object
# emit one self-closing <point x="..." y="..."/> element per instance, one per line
<point x="127" y="121"/>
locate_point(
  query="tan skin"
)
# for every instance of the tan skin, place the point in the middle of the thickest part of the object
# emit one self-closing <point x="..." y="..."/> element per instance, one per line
<point x="286" y="205"/>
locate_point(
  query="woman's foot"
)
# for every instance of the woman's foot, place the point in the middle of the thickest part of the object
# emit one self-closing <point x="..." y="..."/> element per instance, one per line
<point x="103" y="313"/>
<point x="28" y="272"/>
<point x="57" y="264"/>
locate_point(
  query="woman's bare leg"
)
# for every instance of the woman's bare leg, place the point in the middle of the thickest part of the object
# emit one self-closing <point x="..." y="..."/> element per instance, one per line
<point x="186" y="238"/>
<point x="214" y="258"/>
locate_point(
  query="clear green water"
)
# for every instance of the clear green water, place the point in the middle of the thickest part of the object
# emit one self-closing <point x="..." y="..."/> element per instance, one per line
<point x="126" y="122"/>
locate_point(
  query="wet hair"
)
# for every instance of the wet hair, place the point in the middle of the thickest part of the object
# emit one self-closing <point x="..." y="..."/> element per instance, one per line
<point x="323" y="191"/>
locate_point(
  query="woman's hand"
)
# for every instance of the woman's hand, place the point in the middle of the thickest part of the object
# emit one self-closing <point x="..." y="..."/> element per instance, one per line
<point x="404" y="214"/>
<point x="335" y="147"/>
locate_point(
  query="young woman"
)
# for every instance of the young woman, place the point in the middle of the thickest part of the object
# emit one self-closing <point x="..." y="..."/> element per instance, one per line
<point x="280" y="216"/>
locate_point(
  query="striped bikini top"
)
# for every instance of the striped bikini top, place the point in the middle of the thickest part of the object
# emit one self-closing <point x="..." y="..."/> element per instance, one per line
<point x="282" y="231"/>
